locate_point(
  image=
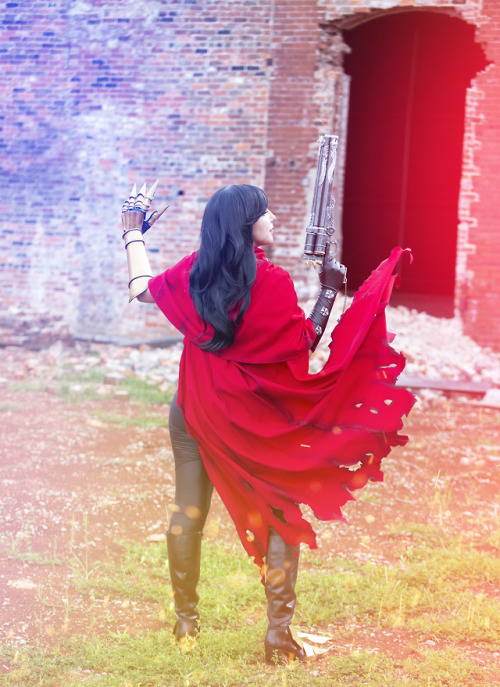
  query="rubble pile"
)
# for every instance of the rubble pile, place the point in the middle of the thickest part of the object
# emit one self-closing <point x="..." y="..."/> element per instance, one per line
<point x="35" y="330"/>
<point x="435" y="348"/>
<point x="156" y="365"/>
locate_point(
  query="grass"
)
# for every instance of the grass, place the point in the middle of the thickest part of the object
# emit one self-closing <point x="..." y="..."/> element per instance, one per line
<point x="431" y="592"/>
<point x="140" y="419"/>
<point x="91" y="382"/>
<point x="7" y="407"/>
<point x="151" y="660"/>
<point x="434" y="599"/>
<point x="75" y="387"/>
<point x="144" y="392"/>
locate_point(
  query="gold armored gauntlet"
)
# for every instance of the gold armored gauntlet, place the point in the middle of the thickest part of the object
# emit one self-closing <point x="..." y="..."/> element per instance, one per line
<point x="134" y="226"/>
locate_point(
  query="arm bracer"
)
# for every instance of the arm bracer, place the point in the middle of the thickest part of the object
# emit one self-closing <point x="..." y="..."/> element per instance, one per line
<point x="321" y="312"/>
<point x="139" y="269"/>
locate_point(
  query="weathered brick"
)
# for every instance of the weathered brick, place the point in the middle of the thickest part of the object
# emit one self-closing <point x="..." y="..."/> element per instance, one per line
<point x="200" y="93"/>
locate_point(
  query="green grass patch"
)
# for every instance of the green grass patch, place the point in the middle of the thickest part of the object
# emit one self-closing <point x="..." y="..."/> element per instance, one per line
<point x="145" y="392"/>
<point x="228" y="660"/>
<point x="74" y="387"/>
<point x="8" y="407"/>
<point x="34" y="558"/>
<point x="140" y="419"/>
<point x="437" y="590"/>
<point x="140" y="390"/>
<point x="37" y="384"/>
<point x="140" y="574"/>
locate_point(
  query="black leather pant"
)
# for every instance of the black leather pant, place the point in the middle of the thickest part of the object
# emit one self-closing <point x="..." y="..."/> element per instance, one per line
<point x="193" y="488"/>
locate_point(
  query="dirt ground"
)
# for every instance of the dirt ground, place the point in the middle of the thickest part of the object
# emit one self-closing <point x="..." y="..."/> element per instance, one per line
<point x="73" y="482"/>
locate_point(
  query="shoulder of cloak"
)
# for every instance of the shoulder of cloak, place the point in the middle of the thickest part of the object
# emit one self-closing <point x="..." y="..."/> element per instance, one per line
<point x="274" y="328"/>
<point x="170" y="291"/>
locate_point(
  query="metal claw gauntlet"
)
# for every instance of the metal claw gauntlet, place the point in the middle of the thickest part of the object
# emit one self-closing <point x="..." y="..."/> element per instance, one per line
<point x="136" y="206"/>
<point x="134" y="225"/>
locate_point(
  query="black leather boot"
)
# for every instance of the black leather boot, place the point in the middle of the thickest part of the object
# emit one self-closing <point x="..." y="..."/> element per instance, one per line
<point x="282" y="568"/>
<point x="184" y="553"/>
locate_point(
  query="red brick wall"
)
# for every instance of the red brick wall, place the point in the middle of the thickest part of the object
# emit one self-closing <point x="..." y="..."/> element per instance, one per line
<point x="481" y="294"/>
<point x="200" y="93"/>
<point x="293" y="128"/>
<point x="94" y="99"/>
<point x="478" y="249"/>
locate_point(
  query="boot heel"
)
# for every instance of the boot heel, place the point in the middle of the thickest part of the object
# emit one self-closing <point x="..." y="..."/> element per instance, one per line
<point x="278" y="656"/>
<point x="183" y="628"/>
<point x="281" y="647"/>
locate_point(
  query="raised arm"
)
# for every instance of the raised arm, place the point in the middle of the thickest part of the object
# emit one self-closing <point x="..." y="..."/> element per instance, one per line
<point x="135" y="225"/>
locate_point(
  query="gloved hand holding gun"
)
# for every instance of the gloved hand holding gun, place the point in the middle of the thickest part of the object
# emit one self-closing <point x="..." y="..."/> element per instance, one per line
<point x="318" y="248"/>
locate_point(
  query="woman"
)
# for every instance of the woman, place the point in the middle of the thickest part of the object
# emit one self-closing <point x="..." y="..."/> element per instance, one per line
<point x="249" y="419"/>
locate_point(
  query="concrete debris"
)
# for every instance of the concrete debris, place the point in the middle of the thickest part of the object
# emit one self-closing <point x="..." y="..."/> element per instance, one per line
<point x="31" y="329"/>
<point x="435" y="349"/>
<point x="492" y="398"/>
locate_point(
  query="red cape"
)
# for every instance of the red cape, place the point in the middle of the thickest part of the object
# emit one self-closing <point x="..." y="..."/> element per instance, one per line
<point x="272" y="435"/>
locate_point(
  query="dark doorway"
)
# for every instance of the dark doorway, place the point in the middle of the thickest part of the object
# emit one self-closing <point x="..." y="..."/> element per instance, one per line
<point x="409" y="74"/>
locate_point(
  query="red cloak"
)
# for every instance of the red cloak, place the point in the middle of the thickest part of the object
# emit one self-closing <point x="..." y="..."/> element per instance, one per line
<point x="272" y="435"/>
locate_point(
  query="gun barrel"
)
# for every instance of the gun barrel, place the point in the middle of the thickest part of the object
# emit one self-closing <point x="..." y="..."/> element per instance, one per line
<point x="322" y="204"/>
<point x="321" y="225"/>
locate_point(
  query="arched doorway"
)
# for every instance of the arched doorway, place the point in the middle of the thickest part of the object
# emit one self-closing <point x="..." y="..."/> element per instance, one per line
<point x="409" y="73"/>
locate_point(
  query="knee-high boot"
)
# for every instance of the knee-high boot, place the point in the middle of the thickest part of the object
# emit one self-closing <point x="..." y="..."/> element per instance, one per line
<point x="184" y="554"/>
<point x="282" y="568"/>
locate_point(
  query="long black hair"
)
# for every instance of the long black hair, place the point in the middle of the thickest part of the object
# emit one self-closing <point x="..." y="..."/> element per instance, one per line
<point x="224" y="271"/>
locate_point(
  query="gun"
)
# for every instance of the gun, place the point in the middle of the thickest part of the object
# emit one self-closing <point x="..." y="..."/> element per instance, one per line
<point x="320" y="229"/>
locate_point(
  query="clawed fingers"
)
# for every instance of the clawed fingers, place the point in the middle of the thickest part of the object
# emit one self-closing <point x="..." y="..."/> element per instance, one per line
<point x="156" y="215"/>
<point x="152" y="219"/>
<point x="129" y="203"/>
<point x="140" y="202"/>
<point x="151" y="193"/>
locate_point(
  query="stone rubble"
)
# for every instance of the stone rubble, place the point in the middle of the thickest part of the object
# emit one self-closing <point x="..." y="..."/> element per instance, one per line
<point x="435" y="348"/>
<point x="29" y="327"/>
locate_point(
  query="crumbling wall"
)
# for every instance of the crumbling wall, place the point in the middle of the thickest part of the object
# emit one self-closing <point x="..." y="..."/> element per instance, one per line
<point x="97" y="95"/>
<point x="478" y="246"/>
<point x="479" y="292"/>
<point x="200" y="93"/>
